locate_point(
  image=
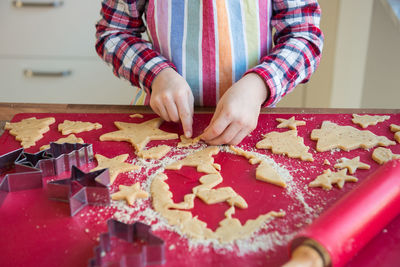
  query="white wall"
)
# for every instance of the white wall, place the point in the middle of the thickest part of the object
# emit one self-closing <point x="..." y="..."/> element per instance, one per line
<point x="382" y="73"/>
<point x="351" y="53"/>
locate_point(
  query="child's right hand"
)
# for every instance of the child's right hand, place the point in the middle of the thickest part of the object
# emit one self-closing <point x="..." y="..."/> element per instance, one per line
<point x="172" y="99"/>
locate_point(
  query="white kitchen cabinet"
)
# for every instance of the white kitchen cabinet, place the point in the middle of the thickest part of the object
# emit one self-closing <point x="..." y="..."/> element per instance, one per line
<point x="77" y="81"/>
<point x="54" y="40"/>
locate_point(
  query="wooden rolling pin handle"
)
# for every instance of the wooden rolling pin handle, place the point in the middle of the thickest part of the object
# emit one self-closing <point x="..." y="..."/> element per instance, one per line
<point x="305" y="256"/>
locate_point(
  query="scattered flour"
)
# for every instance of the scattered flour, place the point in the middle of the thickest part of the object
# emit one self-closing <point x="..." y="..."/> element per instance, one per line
<point x="265" y="239"/>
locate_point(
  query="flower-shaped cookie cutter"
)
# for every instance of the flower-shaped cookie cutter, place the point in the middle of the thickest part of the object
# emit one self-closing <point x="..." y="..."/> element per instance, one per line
<point x="81" y="189"/>
<point x="128" y="245"/>
<point x="18" y="176"/>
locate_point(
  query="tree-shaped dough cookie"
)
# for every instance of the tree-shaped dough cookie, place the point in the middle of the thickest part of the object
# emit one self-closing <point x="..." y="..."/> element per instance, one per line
<point x="30" y="130"/>
<point x="287" y="143"/>
<point x="366" y="120"/>
<point x="332" y="136"/>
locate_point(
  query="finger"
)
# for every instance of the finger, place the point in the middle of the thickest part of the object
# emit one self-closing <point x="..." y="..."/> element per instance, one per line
<point x="186" y="117"/>
<point x="239" y="137"/>
<point x="172" y="110"/>
<point x="215" y="129"/>
<point x="207" y="135"/>
<point x="163" y="113"/>
<point x="227" y="135"/>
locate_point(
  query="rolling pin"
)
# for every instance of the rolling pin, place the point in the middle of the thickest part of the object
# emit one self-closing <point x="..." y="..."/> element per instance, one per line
<point x="340" y="232"/>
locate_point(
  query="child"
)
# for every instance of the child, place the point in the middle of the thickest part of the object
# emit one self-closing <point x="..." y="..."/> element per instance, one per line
<point x="211" y="53"/>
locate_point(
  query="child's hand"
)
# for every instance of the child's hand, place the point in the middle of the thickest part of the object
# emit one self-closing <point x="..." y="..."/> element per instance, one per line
<point x="172" y="99"/>
<point x="236" y="114"/>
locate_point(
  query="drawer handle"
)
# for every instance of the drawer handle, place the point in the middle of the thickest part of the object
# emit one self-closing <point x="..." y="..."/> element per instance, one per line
<point x="20" y="4"/>
<point x="33" y="73"/>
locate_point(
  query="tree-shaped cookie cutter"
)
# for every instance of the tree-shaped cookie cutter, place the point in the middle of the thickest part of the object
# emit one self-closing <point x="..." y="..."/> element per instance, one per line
<point x="22" y="178"/>
<point x="128" y="245"/>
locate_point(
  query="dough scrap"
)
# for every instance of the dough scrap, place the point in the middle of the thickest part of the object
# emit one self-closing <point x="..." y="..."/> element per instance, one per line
<point x="229" y="229"/>
<point x="115" y="165"/>
<point x="156" y="152"/>
<point x="162" y="203"/>
<point x="29" y="130"/>
<point x="382" y="155"/>
<point x="332" y="136"/>
<point x="71" y="139"/>
<point x="136" y="115"/>
<point x="68" y="127"/>
<point x="222" y="194"/>
<point x="208" y="182"/>
<point x="138" y="134"/>
<point x="290" y="123"/>
<point x="328" y="178"/>
<point x="326" y="162"/>
<point x="396" y="130"/>
<point x="202" y="159"/>
<point x="287" y="143"/>
<point x="351" y="164"/>
<point x="187" y="142"/>
<point x="264" y="171"/>
<point x="130" y="193"/>
<point x="366" y="120"/>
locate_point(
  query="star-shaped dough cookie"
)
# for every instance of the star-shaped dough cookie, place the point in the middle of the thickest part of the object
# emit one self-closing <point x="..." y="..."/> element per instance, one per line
<point x="130" y="193"/>
<point x="328" y="178"/>
<point x="332" y="136"/>
<point x="351" y="164"/>
<point x="366" y="120"/>
<point x="115" y="165"/>
<point x="68" y="127"/>
<point x="287" y="143"/>
<point x="30" y="130"/>
<point x="290" y="123"/>
<point x="138" y="134"/>
<point x="71" y="139"/>
<point x="382" y="155"/>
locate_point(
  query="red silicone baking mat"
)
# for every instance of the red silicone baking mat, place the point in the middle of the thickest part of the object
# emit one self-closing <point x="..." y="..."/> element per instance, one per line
<point x="37" y="231"/>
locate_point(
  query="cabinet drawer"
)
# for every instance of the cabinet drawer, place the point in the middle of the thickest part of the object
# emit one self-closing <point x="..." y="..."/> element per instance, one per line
<point x="87" y="81"/>
<point x="60" y="30"/>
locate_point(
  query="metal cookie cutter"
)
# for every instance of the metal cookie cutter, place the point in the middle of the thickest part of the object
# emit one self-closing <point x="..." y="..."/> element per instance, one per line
<point x="128" y="245"/>
<point x="19" y="176"/>
<point x="58" y="158"/>
<point x="81" y="189"/>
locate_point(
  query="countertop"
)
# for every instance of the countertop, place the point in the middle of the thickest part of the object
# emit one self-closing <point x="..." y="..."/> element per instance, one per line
<point x="8" y="110"/>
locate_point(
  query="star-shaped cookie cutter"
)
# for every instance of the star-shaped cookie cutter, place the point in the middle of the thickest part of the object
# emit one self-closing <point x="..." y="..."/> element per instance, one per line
<point x="18" y="176"/>
<point x="29" y="169"/>
<point x="131" y="245"/>
<point x="81" y="189"/>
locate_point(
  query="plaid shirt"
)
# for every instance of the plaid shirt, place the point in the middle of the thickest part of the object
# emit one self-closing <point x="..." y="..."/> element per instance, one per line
<point x="211" y="43"/>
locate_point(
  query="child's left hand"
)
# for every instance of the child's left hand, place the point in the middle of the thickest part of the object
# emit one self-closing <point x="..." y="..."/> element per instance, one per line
<point x="237" y="112"/>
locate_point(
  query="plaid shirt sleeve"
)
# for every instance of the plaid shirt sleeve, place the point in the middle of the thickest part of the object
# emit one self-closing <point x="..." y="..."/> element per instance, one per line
<point x="119" y="43"/>
<point x="298" y="46"/>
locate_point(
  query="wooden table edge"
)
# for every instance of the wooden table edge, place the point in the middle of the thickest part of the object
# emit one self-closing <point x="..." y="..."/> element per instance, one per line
<point x="9" y="110"/>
